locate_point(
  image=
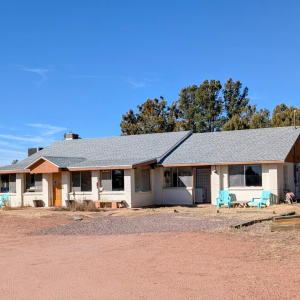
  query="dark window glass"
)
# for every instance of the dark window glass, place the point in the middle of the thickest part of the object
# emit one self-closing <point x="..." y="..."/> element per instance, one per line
<point x="253" y="175"/>
<point x="4" y="183"/>
<point x="245" y="175"/>
<point x="185" y="177"/>
<point x="12" y="183"/>
<point x="236" y="176"/>
<point x="142" y="180"/>
<point x="106" y="180"/>
<point x="29" y="181"/>
<point x="174" y="177"/>
<point x="178" y="177"/>
<point x="75" y="181"/>
<point x="38" y="182"/>
<point x="86" y="181"/>
<point x="34" y="182"/>
<point x="118" y="180"/>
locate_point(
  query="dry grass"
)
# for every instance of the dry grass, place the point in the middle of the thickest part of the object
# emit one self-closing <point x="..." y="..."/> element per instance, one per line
<point x="87" y="205"/>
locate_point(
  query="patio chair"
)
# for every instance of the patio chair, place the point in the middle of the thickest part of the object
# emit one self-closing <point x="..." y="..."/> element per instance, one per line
<point x="4" y="199"/>
<point x="224" y="198"/>
<point x="262" y="199"/>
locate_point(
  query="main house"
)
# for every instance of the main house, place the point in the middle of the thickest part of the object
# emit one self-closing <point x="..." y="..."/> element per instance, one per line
<point x="177" y="168"/>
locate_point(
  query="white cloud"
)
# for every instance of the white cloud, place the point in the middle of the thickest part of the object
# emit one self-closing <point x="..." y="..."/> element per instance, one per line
<point x="38" y="71"/>
<point x="134" y="83"/>
<point x="47" y="129"/>
<point x="139" y="83"/>
<point x="14" y="146"/>
<point x="90" y="76"/>
<point x="21" y="138"/>
<point x="12" y="152"/>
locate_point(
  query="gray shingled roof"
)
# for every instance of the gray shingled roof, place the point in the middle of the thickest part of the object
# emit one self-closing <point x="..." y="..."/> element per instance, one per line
<point x="105" y="152"/>
<point x="255" y="145"/>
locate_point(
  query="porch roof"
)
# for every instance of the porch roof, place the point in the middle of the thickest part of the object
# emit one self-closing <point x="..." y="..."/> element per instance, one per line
<point x="233" y="147"/>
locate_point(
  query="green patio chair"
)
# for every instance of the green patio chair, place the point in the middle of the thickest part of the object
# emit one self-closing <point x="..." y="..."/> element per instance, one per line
<point x="224" y="198"/>
<point x="4" y="198"/>
<point x="262" y="199"/>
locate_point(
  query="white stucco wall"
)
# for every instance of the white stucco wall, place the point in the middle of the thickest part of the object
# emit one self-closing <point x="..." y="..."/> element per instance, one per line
<point x="29" y="197"/>
<point x="140" y="199"/>
<point x="109" y="196"/>
<point x="14" y="200"/>
<point x="177" y="196"/>
<point x="80" y="196"/>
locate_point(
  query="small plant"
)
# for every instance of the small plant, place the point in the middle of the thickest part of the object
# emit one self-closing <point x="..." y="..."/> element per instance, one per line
<point x="9" y="207"/>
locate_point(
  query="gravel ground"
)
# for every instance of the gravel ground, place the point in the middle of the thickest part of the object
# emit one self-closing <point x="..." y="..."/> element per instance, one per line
<point x="119" y="225"/>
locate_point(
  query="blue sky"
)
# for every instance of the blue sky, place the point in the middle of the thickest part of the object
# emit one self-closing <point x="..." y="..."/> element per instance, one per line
<point x="79" y="65"/>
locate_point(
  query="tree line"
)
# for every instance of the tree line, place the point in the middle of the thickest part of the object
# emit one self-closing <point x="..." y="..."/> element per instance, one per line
<point x="206" y="108"/>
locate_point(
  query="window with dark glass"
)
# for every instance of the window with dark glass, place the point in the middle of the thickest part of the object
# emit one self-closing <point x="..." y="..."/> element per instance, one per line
<point x="81" y="181"/>
<point x="142" y="180"/>
<point x="117" y="180"/>
<point x="34" y="182"/>
<point x="8" y="183"/>
<point x="245" y="175"/>
<point x="112" y="180"/>
<point x="86" y="181"/>
<point x="178" y="177"/>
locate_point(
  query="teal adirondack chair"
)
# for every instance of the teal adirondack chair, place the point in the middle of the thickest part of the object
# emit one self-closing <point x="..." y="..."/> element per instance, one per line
<point x="262" y="199"/>
<point x="223" y="198"/>
<point x="4" y="199"/>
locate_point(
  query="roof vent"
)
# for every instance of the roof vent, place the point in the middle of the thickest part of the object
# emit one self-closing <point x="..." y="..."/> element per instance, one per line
<point x="71" y="136"/>
<point x="31" y="151"/>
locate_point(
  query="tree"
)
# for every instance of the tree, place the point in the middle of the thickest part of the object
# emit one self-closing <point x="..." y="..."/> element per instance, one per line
<point x="248" y="118"/>
<point x="284" y="116"/>
<point x="260" y="119"/>
<point x="235" y="99"/>
<point x="201" y="106"/>
<point x="153" y="116"/>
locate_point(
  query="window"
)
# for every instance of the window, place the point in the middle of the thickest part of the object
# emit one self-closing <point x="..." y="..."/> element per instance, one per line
<point x="34" y="182"/>
<point x="245" y="175"/>
<point x="178" y="177"/>
<point x="8" y="183"/>
<point x="142" y="180"/>
<point x="81" y="181"/>
<point x="112" y="180"/>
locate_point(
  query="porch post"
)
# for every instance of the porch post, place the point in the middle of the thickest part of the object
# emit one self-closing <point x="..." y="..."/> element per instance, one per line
<point x="215" y="183"/>
<point x="95" y="189"/>
<point x="65" y="185"/>
<point x="129" y="187"/>
<point x="20" y="187"/>
<point x="45" y="189"/>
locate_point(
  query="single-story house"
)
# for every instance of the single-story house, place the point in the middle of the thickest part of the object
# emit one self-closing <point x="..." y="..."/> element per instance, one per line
<point x="176" y="168"/>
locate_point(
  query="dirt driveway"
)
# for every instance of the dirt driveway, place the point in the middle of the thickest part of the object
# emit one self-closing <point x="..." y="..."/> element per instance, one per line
<point x="166" y="253"/>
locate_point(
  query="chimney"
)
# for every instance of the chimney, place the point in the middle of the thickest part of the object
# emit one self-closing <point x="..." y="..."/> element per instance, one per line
<point x="71" y="136"/>
<point x="31" y="151"/>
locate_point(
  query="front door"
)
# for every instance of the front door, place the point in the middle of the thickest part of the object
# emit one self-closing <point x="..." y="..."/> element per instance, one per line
<point x="57" y="190"/>
<point x="202" y="188"/>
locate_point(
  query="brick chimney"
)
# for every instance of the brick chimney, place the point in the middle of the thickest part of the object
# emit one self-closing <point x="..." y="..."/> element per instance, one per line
<point x="71" y="136"/>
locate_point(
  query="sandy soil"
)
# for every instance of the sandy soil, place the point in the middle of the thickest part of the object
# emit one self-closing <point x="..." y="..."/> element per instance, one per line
<point x="218" y="263"/>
